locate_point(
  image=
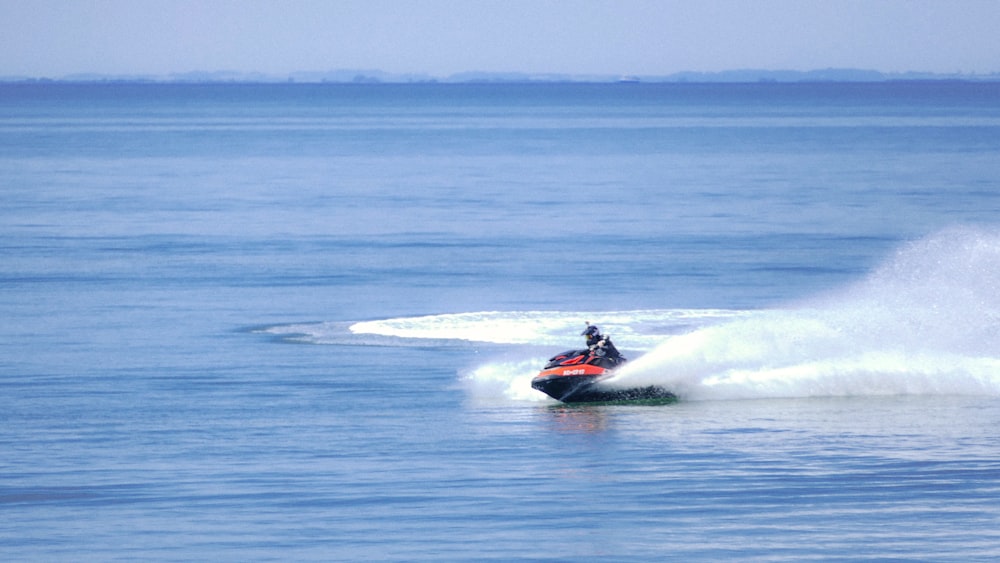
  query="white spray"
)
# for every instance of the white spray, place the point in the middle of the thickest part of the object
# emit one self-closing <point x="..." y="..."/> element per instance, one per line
<point x="924" y="323"/>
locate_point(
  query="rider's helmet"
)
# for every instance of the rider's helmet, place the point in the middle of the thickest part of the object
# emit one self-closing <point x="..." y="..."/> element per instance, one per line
<point x="591" y="331"/>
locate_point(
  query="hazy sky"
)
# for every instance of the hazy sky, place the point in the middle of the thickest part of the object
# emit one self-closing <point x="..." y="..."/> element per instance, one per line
<point x="442" y="37"/>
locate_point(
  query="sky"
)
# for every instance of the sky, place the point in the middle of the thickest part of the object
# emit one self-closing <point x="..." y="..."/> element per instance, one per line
<point x="55" y="38"/>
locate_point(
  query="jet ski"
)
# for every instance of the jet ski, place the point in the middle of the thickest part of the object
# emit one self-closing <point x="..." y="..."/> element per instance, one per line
<point x="580" y="376"/>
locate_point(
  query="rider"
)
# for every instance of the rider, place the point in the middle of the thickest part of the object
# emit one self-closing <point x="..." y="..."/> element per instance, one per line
<point x="592" y="335"/>
<point x="600" y="345"/>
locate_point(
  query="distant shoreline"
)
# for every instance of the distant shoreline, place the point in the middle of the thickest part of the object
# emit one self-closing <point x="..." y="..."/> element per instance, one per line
<point x="380" y="77"/>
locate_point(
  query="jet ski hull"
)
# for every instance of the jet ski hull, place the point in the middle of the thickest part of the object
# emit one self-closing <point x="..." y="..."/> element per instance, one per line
<point x="572" y="377"/>
<point x="589" y="389"/>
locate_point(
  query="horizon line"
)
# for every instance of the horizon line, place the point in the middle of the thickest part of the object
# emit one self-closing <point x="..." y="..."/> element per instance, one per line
<point x="374" y="76"/>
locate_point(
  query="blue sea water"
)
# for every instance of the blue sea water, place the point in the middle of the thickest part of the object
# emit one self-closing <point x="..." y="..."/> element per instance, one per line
<point x="299" y="322"/>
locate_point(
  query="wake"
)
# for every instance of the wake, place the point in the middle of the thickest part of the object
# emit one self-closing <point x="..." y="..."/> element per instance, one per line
<point x="927" y="322"/>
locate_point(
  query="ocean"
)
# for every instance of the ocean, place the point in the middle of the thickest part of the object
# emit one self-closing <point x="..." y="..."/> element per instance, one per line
<point x="298" y="322"/>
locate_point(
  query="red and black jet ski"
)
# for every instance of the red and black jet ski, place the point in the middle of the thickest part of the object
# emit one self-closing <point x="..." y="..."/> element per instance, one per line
<point x="578" y="376"/>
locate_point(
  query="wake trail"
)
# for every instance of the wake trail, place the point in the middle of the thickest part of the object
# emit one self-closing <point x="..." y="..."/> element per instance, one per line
<point x="927" y="322"/>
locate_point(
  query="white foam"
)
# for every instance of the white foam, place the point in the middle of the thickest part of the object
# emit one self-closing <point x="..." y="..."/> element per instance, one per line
<point x="507" y="379"/>
<point x="638" y="330"/>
